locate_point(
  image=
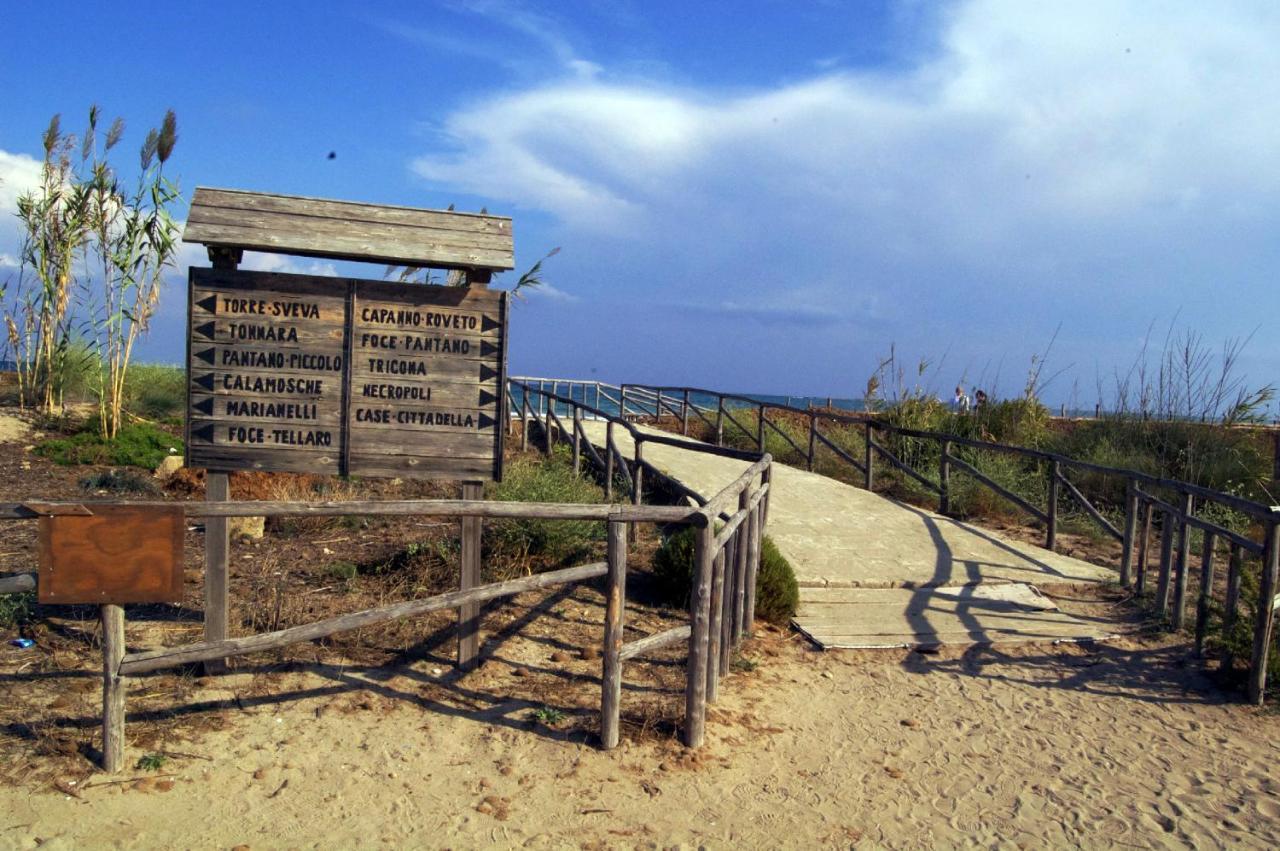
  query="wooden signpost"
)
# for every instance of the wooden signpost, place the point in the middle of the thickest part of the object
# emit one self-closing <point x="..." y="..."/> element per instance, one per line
<point x="340" y="375"/>
<point x="344" y="376"/>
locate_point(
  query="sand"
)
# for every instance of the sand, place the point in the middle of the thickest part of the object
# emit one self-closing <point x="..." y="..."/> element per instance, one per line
<point x="1122" y="745"/>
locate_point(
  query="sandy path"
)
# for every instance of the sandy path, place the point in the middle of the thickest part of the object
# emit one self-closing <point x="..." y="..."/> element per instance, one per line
<point x="1125" y="746"/>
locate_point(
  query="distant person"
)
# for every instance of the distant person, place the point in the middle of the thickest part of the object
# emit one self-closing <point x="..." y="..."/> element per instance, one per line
<point x="960" y="402"/>
<point x="979" y="399"/>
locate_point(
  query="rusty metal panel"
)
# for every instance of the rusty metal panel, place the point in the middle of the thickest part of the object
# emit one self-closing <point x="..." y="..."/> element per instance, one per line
<point x="119" y="554"/>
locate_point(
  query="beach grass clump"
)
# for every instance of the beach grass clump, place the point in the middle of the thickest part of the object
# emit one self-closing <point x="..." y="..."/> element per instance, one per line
<point x="777" y="592"/>
<point x="156" y="391"/>
<point x="543" y="544"/>
<point x="15" y="609"/>
<point x="137" y="444"/>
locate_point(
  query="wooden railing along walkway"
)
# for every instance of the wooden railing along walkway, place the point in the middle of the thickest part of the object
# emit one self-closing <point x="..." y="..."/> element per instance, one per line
<point x="1175" y="515"/>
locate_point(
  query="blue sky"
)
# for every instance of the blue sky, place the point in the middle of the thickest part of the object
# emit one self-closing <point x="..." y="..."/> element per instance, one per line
<point x="758" y="196"/>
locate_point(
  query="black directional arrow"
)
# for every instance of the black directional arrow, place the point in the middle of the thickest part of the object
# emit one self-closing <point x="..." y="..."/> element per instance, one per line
<point x="206" y="356"/>
<point x="205" y="330"/>
<point x="204" y="406"/>
<point x="487" y="324"/>
<point x="205" y="381"/>
<point x="487" y="349"/>
<point x="487" y="398"/>
<point x="203" y="433"/>
<point x="209" y="303"/>
<point x="487" y="421"/>
<point x="487" y="373"/>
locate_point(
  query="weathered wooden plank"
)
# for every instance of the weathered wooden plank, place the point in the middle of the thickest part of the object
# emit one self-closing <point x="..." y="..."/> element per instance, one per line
<point x="695" y="704"/>
<point x="153" y="660"/>
<point x="113" y="688"/>
<point x="714" y="626"/>
<point x="469" y="578"/>
<point x="1167" y="525"/>
<point x="425" y="237"/>
<point x="345" y="230"/>
<point x="238" y="199"/>
<point x="1130" y="530"/>
<point x="217" y="544"/>
<point x="1251" y="547"/>
<point x="615" y="609"/>
<point x="649" y="643"/>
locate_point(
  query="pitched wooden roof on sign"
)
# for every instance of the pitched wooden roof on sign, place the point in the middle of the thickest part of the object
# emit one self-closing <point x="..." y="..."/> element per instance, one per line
<point x="346" y="230"/>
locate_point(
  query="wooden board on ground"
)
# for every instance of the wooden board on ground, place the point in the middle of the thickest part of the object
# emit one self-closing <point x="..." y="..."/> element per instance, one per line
<point x="117" y="554"/>
<point x="871" y="618"/>
<point x="344" y="376"/>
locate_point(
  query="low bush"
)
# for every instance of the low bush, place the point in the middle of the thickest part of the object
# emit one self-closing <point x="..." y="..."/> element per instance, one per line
<point x="15" y="609"/>
<point x="549" y="543"/>
<point x="135" y="445"/>
<point x="777" y="592"/>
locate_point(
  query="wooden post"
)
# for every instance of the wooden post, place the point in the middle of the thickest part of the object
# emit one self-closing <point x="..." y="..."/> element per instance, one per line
<point x="608" y="461"/>
<point x="869" y="478"/>
<point x="944" y="479"/>
<point x="719" y="421"/>
<point x="715" y="627"/>
<point x="1144" y="546"/>
<point x="657" y="407"/>
<point x="1130" y="530"/>
<point x="1167" y="524"/>
<point x="112" y="688"/>
<point x="813" y="437"/>
<point x="469" y="613"/>
<point x="546" y="427"/>
<point x="217" y="543"/>
<point x="740" y="569"/>
<point x="615" y="606"/>
<point x="622" y="401"/>
<point x="695" y="695"/>
<point x="1184" y="549"/>
<point x="1206" y="592"/>
<point x="766" y="476"/>
<point x="753" y="567"/>
<point x="727" y="626"/>
<point x="760" y="431"/>
<point x="524" y="418"/>
<point x="1235" y="567"/>
<point x="1266" y="611"/>
<point x="637" y="489"/>
<point x="684" y="414"/>
<point x="577" y="448"/>
<point x="1051" y="527"/>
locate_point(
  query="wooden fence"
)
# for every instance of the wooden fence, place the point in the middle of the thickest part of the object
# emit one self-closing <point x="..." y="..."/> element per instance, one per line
<point x="1180" y="511"/>
<point x="721" y="612"/>
<point x="727" y="559"/>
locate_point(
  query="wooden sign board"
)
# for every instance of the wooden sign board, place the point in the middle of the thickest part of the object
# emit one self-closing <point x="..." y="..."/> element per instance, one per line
<point x="345" y="376"/>
<point x="117" y="554"/>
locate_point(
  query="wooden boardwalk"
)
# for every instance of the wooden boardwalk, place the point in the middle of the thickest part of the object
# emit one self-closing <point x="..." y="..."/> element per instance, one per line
<point x="877" y="572"/>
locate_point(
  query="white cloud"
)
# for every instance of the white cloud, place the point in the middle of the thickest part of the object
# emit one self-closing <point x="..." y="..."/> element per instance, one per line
<point x="1048" y="158"/>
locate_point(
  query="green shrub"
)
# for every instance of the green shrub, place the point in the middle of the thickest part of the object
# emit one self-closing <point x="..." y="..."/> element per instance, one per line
<point x="777" y="592"/>
<point x="551" y="542"/>
<point x="156" y="391"/>
<point x="15" y="609"/>
<point x="135" y="445"/>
